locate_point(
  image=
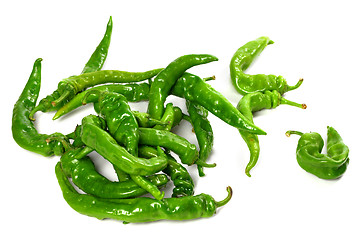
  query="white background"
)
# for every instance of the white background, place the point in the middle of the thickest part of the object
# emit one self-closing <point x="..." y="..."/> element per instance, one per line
<point x="319" y="41"/>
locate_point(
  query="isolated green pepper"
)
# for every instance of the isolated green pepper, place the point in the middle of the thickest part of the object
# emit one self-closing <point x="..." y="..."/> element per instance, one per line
<point x="245" y="83"/>
<point x="326" y="166"/>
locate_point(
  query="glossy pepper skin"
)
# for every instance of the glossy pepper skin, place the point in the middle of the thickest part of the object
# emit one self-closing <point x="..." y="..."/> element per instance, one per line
<point x="326" y="166"/>
<point x="195" y="89"/>
<point x="85" y="176"/>
<point x="163" y="82"/>
<point x="182" y="180"/>
<point x="140" y="209"/>
<point x="204" y="134"/>
<point x="101" y="141"/>
<point x="182" y="147"/>
<point x="23" y="129"/>
<point x="69" y="87"/>
<point x="121" y="122"/>
<point x="132" y="92"/>
<point x="245" y="83"/>
<point x="254" y="102"/>
<point x="95" y="63"/>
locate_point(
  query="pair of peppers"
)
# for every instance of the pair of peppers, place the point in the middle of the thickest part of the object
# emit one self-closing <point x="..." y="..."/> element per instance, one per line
<point x="265" y="91"/>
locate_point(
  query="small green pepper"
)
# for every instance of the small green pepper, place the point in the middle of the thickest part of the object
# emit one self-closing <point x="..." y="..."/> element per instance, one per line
<point x="163" y="82"/>
<point x="326" y="166"/>
<point x="251" y="103"/>
<point x="245" y="83"/>
<point x="182" y="147"/>
<point x="101" y="141"/>
<point x="183" y="183"/>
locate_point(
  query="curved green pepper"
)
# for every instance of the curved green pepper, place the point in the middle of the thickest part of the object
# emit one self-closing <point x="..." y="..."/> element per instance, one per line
<point x="23" y="129"/>
<point x="251" y="103"/>
<point x="95" y="63"/>
<point x="101" y="141"/>
<point x="195" y="89"/>
<point x="245" y="83"/>
<point x="85" y="176"/>
<point x="163" y="82"/>
<point x="141" y="209"/>
<point x="326" y="166"/>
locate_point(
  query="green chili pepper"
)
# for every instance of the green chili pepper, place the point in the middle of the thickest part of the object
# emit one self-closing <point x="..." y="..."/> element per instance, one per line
<point x="245" y="83"/>
<point x="23" y="129"/>
<point x="141" y="209"/>
<point x="183" y="183"/>
<point x="133" y="93"/>
<point x="120" y="120"/>
<point x="101" y="141"/>
<point x="167" y="118"/>
<point x="95" y="63"/>
<point x="326" y="166"/>
<point x="204" y="134"/>
<point x="182" y="147"/>
<point x="69" y="87"/>
<point x="254" y="102"/>
<point x="86" y="177"/>
<point x="163" y="82"/>
<point x="195" y="89"/>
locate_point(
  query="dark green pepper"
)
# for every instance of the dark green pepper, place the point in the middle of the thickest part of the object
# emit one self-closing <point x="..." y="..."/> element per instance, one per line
<point x="183" y="183"/>
<point x="23" y="129"/>
<point x="326" y="166"/>
<point x="204" y="134"/>
<point x="141" y="209"/>
<point x="195" y="89"/>
<point x="163" y="82"/>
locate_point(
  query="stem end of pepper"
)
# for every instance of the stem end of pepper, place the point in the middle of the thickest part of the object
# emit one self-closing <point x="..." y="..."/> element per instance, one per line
<point x="227" y="199"/>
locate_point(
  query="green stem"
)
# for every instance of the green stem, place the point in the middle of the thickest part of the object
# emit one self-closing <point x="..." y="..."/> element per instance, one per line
<point x="291" y="103"/>
<point x="289" y="88"/>
<point x="227" y="199"/>
<point x="61" y="98"/>
<point x="288" y="133"/>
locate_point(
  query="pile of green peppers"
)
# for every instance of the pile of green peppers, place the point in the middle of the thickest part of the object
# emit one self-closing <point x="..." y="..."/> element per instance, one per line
<point x="145" y="152"/>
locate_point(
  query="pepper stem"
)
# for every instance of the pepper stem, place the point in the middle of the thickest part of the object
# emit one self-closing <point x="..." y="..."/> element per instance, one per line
<point x="291" y="103"/>
<point x="209" y="78"/>
<point x="61" y="98"/>
<point x="289" y="88"/>
<point x="227" y="199"/>
<point x="34" y="110"/>
<point x="88" y="93"/>
<point x="65" y="144"/>
<point x="288" y="133"/>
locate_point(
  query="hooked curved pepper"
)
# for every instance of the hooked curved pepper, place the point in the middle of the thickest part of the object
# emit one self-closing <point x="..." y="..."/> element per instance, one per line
<point x="245" y="83"/>
<point x="24" y="132"/>
<point x="141" y="209"/>
<point x="326" y="166"/>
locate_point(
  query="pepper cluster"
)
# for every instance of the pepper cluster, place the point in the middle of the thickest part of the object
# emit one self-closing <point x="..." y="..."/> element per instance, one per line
<point x="141" y="146"/>
<point x="265" y="92"/>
